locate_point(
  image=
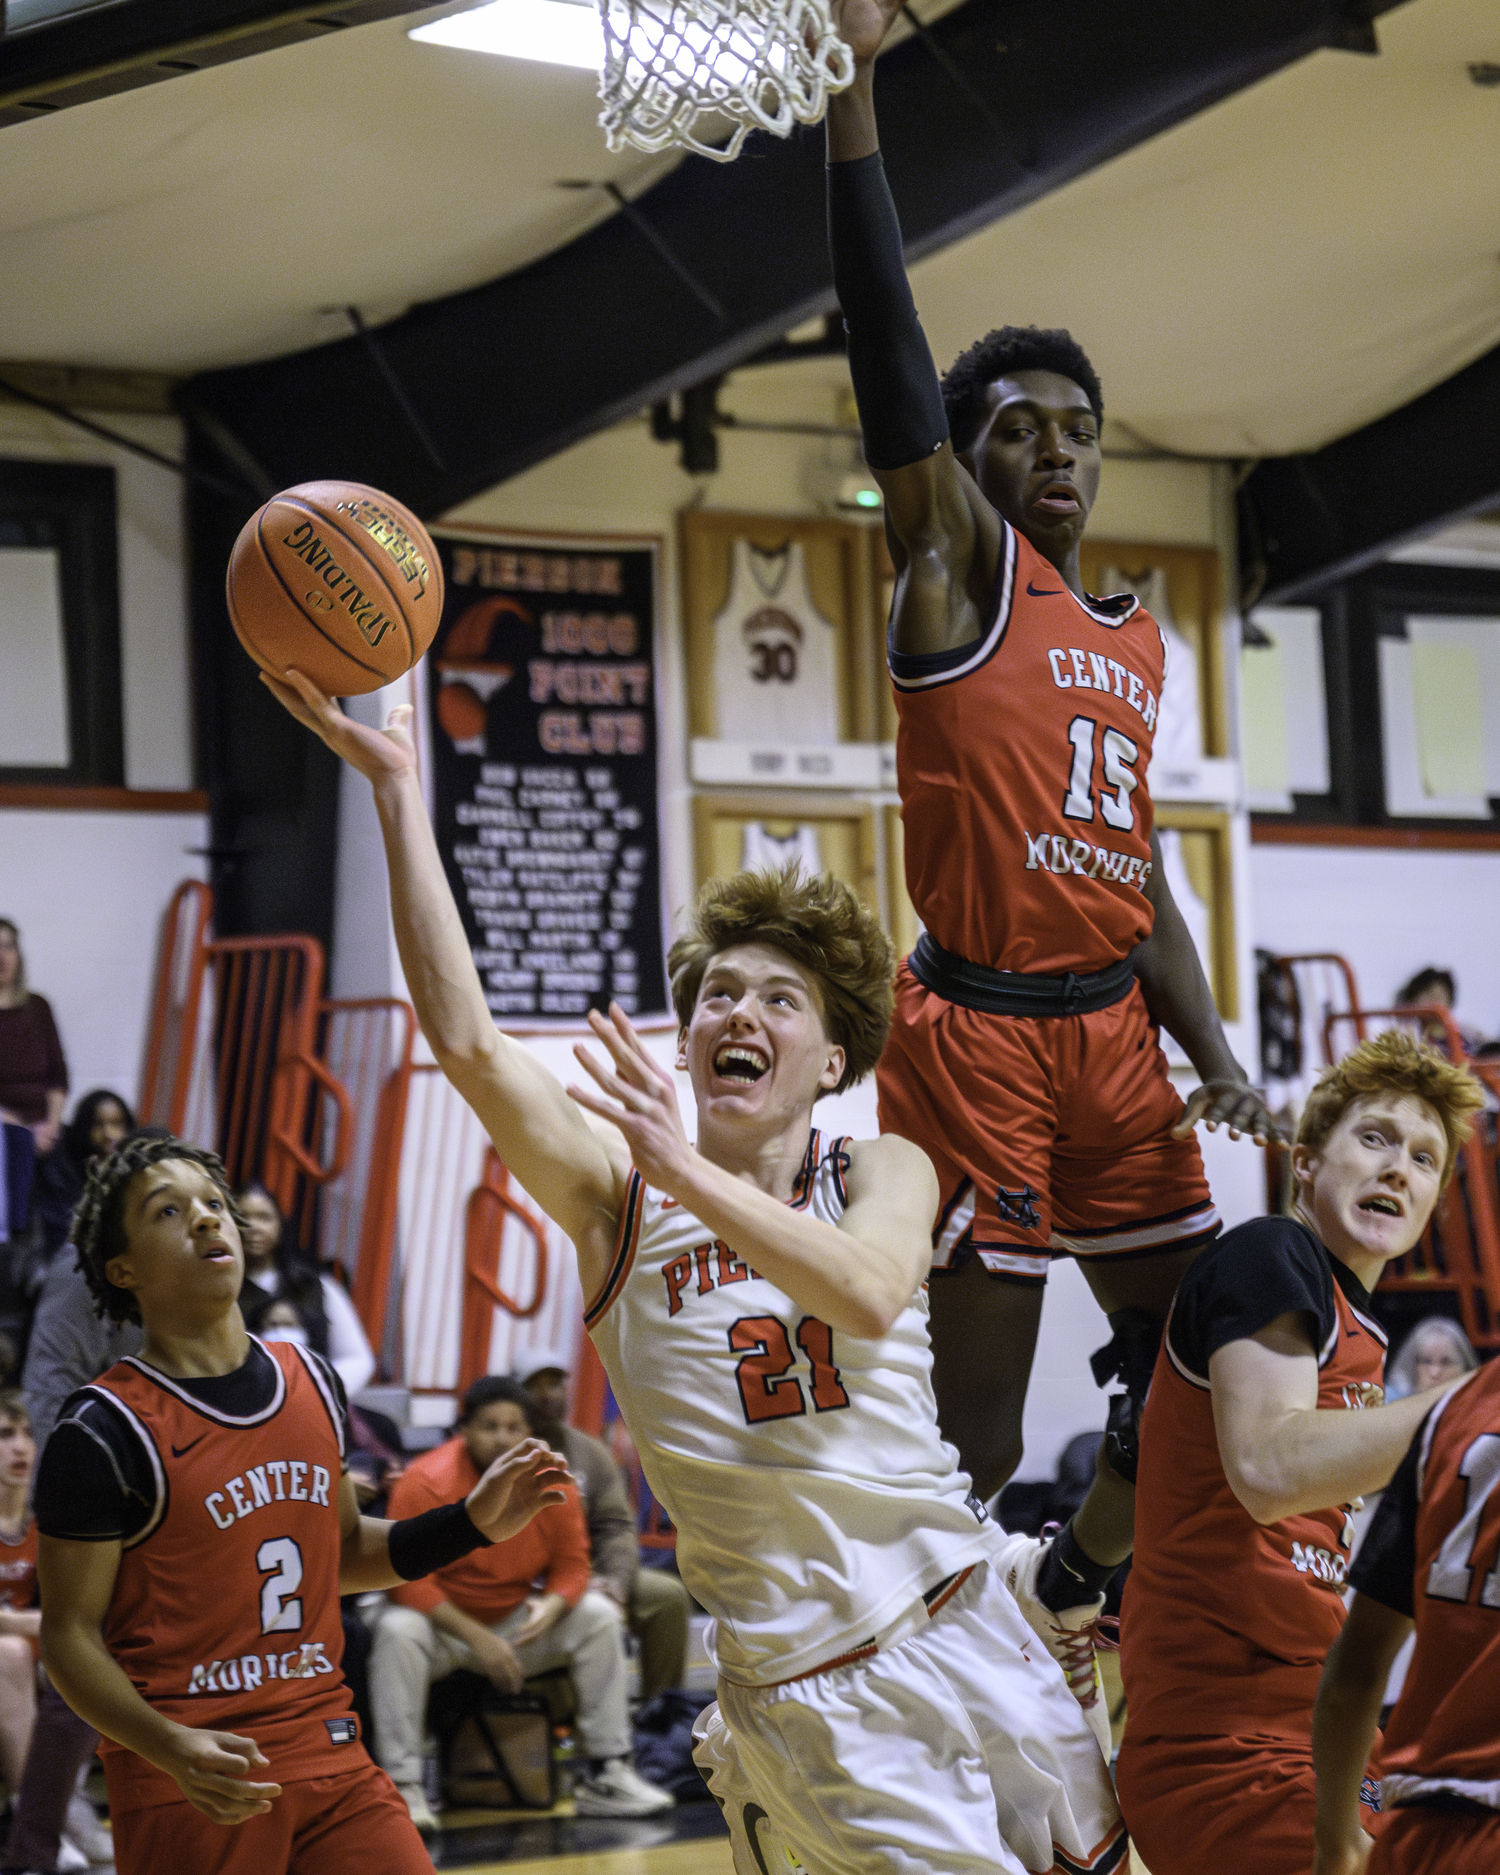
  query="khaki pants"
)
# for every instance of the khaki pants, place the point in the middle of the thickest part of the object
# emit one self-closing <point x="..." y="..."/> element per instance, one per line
<point x="409" y="1653"/>
<point x="658" y="1616"/>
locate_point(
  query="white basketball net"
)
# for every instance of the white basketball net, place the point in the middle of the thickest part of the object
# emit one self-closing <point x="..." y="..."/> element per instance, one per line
<point x="762" y="64"/>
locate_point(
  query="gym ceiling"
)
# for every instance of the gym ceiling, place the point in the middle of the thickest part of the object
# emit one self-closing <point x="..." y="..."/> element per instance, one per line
<point x="1273" y="224"/>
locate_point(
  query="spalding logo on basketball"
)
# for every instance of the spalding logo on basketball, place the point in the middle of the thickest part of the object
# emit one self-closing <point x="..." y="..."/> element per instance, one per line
<point x="338" y="581"/>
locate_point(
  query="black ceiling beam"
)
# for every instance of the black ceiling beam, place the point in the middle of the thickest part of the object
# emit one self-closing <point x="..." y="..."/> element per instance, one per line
<point x="509" y="373"/>
<point x="1309" y="521"/>
<point x="122" y="45"/>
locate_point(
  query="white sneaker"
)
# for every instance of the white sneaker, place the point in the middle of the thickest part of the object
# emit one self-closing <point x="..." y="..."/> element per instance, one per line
<point x="87" y="1834"/>
<point x="618" y="1789"/>
<point x="70" y="1856"/>
<point x="418" y="1808"/>
<point x="1073" y="1636"/>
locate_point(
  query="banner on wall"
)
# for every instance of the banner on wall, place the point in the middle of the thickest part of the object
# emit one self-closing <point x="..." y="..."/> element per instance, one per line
<point x="541" y="687"/>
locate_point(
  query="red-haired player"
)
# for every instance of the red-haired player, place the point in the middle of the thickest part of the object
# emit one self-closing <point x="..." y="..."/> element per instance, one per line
<point x="198" y="1525"/>
<point x="1431" y="1557"/>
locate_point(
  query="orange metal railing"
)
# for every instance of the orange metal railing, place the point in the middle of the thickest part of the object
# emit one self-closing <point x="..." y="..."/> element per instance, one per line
<point x="167" y="1072"/>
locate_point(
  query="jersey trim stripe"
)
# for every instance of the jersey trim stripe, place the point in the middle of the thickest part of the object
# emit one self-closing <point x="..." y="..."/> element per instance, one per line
<point x="911" y="671"/>
<point x="1109" y="1855"/>
<point x="158" y="1470"/>
<point x="1429" y="1428"/>
<point x="1202" y="1220"/>
<point x="320" y="1380"/>
<point x="1193" y="1380"/>
<point x="1399" y="1789"/>
<point x="625" y="1243"/>
<point x="168" y="1385"/>
<point x="1371" y="1327"/>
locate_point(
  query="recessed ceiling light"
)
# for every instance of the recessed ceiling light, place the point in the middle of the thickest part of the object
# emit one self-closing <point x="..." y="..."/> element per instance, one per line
<point x="554" y="32"/>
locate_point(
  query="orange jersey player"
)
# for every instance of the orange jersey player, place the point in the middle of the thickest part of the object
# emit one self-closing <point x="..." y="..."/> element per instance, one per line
<point x="1431" y="1557"/>
<point x="1023" y="1057"/>
<point x="1263" y="1424"/>
<point x="198" y="1524"/>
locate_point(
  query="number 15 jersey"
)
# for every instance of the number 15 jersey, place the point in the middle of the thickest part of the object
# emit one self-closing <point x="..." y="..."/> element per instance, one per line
<point x="1021" y="761"/>
<point x="813" y="1495"/>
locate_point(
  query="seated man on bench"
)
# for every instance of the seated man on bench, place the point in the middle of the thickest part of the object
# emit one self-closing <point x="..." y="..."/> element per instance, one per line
<point x="484" y="1613"/>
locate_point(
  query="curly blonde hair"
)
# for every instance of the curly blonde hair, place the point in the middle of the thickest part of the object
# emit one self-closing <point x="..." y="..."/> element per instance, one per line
<point x="1393" y="1063"/>
<point x="822" y="927"/>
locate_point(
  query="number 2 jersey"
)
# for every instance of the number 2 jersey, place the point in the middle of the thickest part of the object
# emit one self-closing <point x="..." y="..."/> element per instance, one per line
<point x="225" y="1612"/>
<point x="1021" y="761"/>
<point x="813" y="1495"/>
<point x="1433" y="1552"/>
<point x="1225" y="1622"/>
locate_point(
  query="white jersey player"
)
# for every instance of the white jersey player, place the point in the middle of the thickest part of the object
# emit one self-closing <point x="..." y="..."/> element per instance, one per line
<point x="882" y="1703"/>
<point x="775" y="655"/>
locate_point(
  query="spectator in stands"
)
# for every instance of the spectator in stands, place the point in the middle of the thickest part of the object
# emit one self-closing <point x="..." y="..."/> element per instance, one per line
<point x="274" y="1271"/>
<point x="1433" y="988"/>
<point x="33" y="1073"/>
<point x="483" y="1614"/>
<point x="20" y="1618"/>
<point x="100" y="1121"/>
<point x="653" y="1601"/>
<point x="1435" y="1354"/>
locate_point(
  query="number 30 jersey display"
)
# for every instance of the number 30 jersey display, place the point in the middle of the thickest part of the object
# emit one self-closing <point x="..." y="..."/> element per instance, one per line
<point x="814" y="1497"/>
<point x="775" y="669"/>
<point x="225" y="1612"/>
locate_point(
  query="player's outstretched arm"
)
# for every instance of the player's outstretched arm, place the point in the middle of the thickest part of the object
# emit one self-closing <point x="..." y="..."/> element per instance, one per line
<point x="379" y="1553"/>
<point x="537" y="1130"/>
<point x="212" y="1769"/>
<point x="1170" y="973"/>
<point x="856" y="1276"/>
<point x="1281" y="1454"/>
<point x="1344" y="1724"/>
<point x="945" y="537"/>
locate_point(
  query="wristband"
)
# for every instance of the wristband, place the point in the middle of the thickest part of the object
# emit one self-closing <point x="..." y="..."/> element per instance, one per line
<point x="418" y="1545"/>
<point x="895" y="381"/>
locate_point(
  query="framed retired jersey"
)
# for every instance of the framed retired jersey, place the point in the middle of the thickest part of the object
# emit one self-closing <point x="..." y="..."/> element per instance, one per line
<point x="763" y="832"/>
<point x="1197" y="856"/>
<point x="778" y="620"/>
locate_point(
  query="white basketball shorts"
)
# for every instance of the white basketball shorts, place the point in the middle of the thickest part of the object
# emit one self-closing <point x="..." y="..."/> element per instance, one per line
<point x="958" y="1752"/>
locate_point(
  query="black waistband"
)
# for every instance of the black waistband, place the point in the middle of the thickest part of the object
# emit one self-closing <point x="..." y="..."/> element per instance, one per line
<point x="1015" y="992"/>
<point x="1449" y="1801"/>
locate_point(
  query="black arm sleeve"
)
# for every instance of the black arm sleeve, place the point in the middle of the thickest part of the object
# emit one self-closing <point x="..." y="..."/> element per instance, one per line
<point x="895" y="382"/>
<point x="418" y="1545"/>
<point x="1240" y="1284"/>
<point x="95" y="1483"/>
<point x="1387" y="1559"/>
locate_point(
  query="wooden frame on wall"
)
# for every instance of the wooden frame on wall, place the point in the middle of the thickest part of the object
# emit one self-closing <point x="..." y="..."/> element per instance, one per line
<point x="1208" y="860"/>
<point x="901" y="918"/>
<point x="847" y="839"/>
<point x="836" y="556"/>
<point x="67" y="510"/>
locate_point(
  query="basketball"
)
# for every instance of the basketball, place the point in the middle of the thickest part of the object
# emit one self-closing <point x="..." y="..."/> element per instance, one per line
<point x="338" y="581"/>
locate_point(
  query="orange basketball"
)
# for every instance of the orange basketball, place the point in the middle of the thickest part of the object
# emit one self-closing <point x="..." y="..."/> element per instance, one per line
<point x="338" y="581"/>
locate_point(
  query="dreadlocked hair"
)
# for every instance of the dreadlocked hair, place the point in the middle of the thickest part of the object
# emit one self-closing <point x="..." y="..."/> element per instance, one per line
<point x="818" y="923"/>
<point x="1001" y="353"/>
<point x="98" y="1233"/>
<point x="1394" y="1063"/>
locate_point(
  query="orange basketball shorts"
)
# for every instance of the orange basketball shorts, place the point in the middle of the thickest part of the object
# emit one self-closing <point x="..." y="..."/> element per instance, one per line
<point x="1419" y="1841"/>
<point x="354" y="1823"/>
<point x="1222" y="1806"/>
<point x="1051" y="1135"/>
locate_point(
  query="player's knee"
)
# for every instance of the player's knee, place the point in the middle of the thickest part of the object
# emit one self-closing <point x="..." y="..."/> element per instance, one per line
<point x="398" y="1629"/>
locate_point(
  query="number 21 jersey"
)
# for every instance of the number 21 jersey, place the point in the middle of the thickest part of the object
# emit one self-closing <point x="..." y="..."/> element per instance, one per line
<point x="225" y="1612"/>
<point x="813" y="1495"/>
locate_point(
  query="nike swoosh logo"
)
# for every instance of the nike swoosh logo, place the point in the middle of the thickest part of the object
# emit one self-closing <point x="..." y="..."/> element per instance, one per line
<point x="1043" y="592"/>
<point x="178" y="1450"/>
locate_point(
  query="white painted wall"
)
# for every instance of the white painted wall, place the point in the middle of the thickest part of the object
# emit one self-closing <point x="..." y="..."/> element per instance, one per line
<point x="87" y="891"/>
<point x="153" y="597"/>
<point x="1389" y="911"/>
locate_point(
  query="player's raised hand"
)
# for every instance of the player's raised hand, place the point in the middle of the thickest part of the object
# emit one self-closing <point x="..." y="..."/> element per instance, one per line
<point x="376" y="753"/>
<point x="213" y="1769"/>
<point x="643" y="1098"/>
<point x="863" y="24"/>
<point x="1235" y="1104"/>
<point x="515" y="1487"/>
